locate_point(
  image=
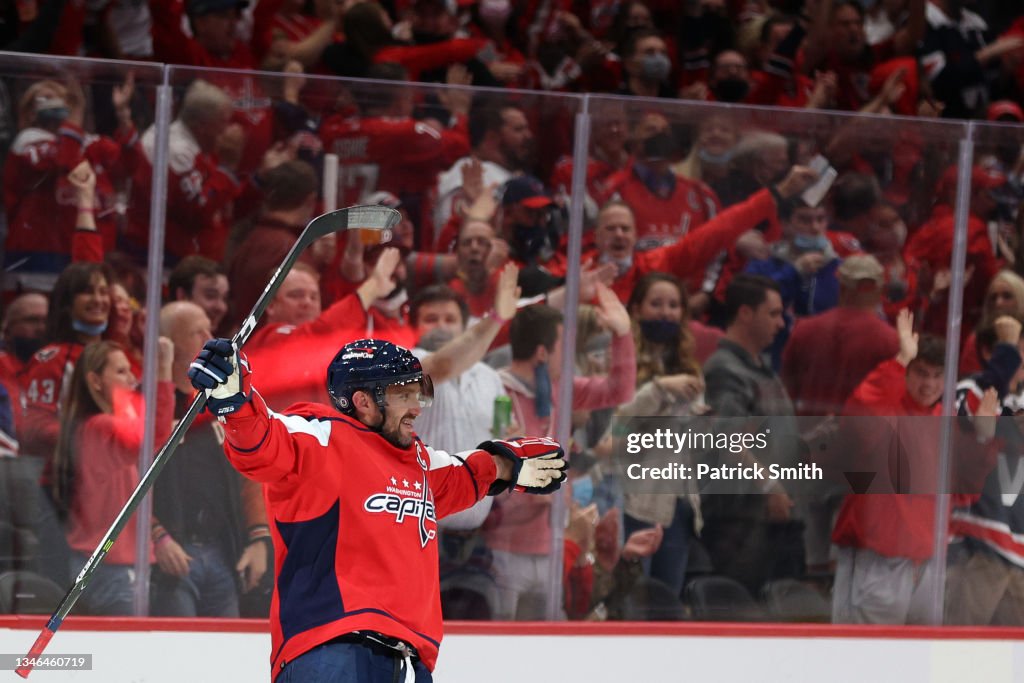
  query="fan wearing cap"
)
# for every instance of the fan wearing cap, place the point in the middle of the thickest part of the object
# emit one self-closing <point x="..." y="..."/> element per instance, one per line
<point x="829" y="354"/>
<point x="526" y="220"/>
<point x="214" y="25"/>
<point x="666" y="206"/>
<point x="1002" y="151"/>
<point x="931" y="247"/>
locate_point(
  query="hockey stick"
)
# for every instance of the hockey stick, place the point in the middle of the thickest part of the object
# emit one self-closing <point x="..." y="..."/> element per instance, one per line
<point x="369" y="217"/>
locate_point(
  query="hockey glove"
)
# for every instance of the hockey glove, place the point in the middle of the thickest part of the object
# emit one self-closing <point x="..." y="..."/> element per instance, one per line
<point x="538" y="464"/>
<point x="223" y="373"/>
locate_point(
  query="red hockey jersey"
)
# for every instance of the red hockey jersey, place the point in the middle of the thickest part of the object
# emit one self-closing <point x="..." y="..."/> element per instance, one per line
<point x="200" y="195"/>
<point x="663" y="218"/>
<point x="42" y="384"/>
<point x="40" y="201"/>
<point x="354" y="524"/>
<point x="400" y="155"/>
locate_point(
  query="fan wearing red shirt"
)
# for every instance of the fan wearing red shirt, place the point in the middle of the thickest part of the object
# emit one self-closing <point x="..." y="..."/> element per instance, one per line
<point x="215" y="27"/>
<point x="615" y="237"/>
<point x="836" y="42"/>
<point x="885" y="540"/>
<point x="281" y="28"/>
<point x="829" y="354"/>
<point x="885" y="564"/>
<point x="931" y="247"/>
<point x="608" y="154"/>
<point x="387" y="149"/>
<point x="41" y="203"/>
<point x="666" y="205"/>
<point x="201" y="190"/>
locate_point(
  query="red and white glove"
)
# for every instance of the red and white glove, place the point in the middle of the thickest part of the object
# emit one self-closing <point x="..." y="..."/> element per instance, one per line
<point x="538" y="464"/>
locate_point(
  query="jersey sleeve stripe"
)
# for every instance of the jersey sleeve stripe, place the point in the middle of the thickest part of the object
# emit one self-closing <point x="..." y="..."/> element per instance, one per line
<point x="296" y="424"/>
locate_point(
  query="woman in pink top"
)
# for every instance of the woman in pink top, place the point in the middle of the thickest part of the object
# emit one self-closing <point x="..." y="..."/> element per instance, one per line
<point x="96" y="464"/>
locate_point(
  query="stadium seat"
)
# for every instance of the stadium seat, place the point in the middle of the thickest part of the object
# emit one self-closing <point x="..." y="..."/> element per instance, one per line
<point x="719" y="598"/>
<point x="23" y="592"/>
<point x="792" y="600"/>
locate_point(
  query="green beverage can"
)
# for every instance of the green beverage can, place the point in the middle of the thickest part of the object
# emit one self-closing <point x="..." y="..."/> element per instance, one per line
<point x="502" y="416"/>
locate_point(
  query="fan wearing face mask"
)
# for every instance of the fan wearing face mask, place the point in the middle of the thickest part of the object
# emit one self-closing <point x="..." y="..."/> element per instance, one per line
<point x="804" y="264"/>
<point x="669" y="383"/>
<point x="40" y="199"/>
<point x="646" y="65"/>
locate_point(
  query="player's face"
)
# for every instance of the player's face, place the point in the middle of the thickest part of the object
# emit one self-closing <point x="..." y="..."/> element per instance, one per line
<point x="402" y="406"/>
<point x="616" y="233"/>
<point x="924" y="383"/>
<point x="92" y="306"/>
<point x="663" y="301"/>
<point x="445" y="315"/>
<point x="210" y="293"/>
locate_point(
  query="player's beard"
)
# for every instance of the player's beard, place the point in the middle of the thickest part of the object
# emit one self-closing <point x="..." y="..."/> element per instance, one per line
<point x="394" y="436"/>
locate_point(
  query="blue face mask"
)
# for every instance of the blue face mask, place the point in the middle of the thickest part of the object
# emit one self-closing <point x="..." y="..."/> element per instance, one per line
<point x="542" y="390"/>
<point x="810" y="242"/>
<point x="660" y="331"/>
<point x="583" y="490"/>
<point x="52" y="117"/>
<point x="91" y="330"/>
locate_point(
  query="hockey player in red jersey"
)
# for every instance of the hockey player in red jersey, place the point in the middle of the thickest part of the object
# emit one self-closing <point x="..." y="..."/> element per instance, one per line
<point x="355" y="497"/>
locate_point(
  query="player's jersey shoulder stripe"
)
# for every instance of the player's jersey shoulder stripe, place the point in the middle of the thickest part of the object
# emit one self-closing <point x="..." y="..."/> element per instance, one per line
<point x="318" y="428"/>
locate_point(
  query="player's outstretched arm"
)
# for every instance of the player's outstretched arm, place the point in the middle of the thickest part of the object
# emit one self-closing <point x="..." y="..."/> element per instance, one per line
<point x="530" y="464"/>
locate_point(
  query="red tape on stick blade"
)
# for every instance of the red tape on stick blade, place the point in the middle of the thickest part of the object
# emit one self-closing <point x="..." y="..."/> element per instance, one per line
<point x="37" y="649"/>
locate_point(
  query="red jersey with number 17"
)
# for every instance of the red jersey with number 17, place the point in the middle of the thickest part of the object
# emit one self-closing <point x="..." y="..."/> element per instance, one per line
<point x="354" y="524"/>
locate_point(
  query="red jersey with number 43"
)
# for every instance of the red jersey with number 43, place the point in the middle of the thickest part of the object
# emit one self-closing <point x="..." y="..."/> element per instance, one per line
<point x="400" y="155"/>
<point x="42" y="385"/>
<point x="354" y="524"/>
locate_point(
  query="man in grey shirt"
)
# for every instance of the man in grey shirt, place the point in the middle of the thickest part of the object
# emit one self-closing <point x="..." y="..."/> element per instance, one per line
<point x="752" y="535"/>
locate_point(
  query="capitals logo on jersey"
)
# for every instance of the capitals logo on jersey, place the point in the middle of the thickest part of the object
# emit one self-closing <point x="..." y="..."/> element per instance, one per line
<point x="405" y="504"/>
